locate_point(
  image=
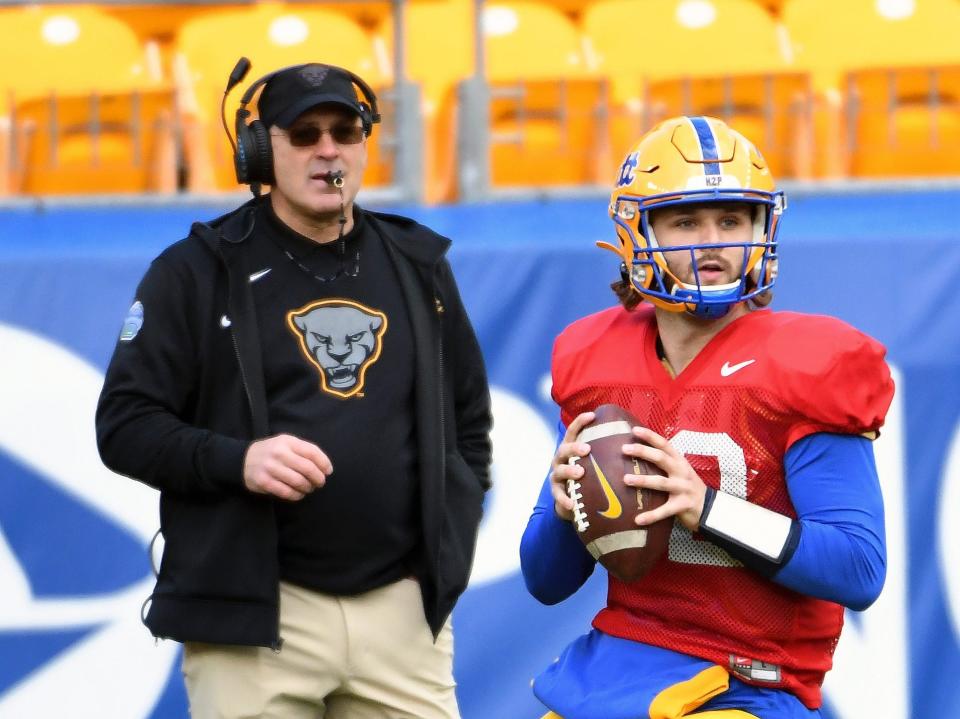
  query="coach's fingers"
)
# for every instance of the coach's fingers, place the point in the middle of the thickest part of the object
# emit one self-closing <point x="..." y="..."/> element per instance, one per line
<point x="313" y="454"/>
<point x="275" y="459"/>
<point x="282" y="490"/>
<point x="305" y="461"/>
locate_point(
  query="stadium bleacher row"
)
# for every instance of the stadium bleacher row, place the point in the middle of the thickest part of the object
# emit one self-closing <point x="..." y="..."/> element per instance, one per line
<point x="125" y="98"/>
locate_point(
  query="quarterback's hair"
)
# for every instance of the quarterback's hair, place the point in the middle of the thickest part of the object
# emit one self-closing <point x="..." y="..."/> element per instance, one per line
<point x="628" y="296"/>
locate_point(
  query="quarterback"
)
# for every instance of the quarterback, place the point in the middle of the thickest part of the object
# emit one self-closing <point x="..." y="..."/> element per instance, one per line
<point x="762" y="424"/>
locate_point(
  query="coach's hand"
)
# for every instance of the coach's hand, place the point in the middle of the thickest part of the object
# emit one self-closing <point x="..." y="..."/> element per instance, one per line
<point x="285" y="466"/>
<point x="562" y="470"/>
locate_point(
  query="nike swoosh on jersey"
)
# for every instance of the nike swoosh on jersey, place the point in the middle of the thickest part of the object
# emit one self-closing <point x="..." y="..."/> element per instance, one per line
<point x="257" y="275"/>
<point x="225" y="322"/>
<point x="614" y="509"/>
<point x="728" y="369"/>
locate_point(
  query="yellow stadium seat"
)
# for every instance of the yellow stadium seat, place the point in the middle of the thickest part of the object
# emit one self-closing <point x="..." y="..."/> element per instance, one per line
<point x="550" y="132"/>
<point x="861" y="35"/>
<point x="102" y="142"/>
<point x="671" y="40"/>
<point x="542" y="100"/>
<point x="272" y="36"/>
<point x="904" y="121"/>
<point x="438" y="43"/>
<point x="547" y="114"/>
<point x="439" y="53"/>
<point x="530" y="41"/>
<point x="632" y="40"/>
<point x="830" y="38"/>
<point x="91" y="113"/>
<point x="71" y="49"/>
<point x="774" y="111"/>
<point x="87" y="113"/>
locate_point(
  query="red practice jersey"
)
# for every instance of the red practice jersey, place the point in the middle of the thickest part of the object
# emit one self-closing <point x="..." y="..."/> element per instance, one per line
<point x="765" y="381"/>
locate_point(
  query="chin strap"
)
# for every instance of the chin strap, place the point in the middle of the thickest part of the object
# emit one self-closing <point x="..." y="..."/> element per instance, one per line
<point x="716" y="307"/>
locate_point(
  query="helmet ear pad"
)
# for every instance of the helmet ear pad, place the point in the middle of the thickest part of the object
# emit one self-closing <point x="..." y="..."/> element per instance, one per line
<point x="254" y="158"/>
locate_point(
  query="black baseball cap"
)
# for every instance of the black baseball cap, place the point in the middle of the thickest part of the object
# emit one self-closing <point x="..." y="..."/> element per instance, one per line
<point x="293" y="91"/>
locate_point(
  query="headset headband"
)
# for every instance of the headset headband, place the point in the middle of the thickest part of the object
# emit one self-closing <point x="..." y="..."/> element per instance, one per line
<point x="365" y="89"/>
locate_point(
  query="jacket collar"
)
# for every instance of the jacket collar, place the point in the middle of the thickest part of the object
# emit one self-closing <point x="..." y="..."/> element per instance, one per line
<point x="424" y="247"/>
<point x="233" y="227"/>
<point x="417" y="243"/>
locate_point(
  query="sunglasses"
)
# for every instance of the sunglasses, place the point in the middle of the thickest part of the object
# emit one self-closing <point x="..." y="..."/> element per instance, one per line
<point x="309" y="135"/>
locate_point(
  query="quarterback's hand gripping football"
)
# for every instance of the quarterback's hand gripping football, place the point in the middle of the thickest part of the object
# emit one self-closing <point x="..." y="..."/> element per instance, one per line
<point x="286" y="467"/>
<point x="562" y="469"/>
<point x="681" y="482"/>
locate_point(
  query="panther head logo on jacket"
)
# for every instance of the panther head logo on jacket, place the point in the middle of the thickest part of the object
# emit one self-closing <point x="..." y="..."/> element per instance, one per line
<point x="342" y="339"/>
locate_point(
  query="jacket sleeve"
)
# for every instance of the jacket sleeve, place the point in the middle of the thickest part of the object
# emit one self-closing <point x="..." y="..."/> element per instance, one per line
<point x="471" y="391"/>
<point x="143" y="416"/>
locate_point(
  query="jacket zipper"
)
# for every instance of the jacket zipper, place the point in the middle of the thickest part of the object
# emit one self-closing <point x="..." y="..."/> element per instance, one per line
<point x="243" y="372"/>
<point x="443" y="404"/>
<point x="278" y="641"/>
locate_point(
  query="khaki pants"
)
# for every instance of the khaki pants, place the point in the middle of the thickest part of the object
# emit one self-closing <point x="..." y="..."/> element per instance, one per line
<point x="366" y="657"/>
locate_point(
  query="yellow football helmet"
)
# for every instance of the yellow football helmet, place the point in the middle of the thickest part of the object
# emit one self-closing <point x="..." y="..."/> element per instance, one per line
<point x="687" y="160"/>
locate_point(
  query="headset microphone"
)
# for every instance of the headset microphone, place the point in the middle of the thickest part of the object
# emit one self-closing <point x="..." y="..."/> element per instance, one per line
<point x="251" y="144"/>
<point x="240" y="71"/>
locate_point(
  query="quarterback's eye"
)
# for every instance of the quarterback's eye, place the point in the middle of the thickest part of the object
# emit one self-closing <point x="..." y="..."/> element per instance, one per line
<point x="734" y="220"/>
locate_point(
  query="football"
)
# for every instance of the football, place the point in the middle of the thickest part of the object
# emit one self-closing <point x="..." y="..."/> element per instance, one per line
<point x="605" y="507"/>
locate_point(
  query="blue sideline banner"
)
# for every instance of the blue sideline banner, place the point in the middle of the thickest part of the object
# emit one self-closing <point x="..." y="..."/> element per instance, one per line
<point x="74" y="569"/>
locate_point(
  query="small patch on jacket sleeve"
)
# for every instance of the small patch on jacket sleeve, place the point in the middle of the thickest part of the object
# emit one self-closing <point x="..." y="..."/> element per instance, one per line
<point x="133" y="322"/>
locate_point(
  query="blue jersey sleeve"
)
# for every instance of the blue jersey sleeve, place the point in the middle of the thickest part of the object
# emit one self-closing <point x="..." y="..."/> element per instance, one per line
<point x="554" y="562"/>
<point x="841" y="555"/>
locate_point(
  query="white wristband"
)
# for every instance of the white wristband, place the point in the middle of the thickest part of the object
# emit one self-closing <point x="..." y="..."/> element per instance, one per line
<point x="768" y="535"/>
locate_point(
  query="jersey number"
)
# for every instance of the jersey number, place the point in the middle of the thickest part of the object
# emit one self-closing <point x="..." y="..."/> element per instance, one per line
<point x="733" y="480"/>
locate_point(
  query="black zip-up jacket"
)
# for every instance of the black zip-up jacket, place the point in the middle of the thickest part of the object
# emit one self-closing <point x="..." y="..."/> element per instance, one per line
<point x="184" y="398"/>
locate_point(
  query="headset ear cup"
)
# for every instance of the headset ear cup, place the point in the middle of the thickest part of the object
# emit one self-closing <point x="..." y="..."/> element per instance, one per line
<point x="366" y="118"/>
<point x="261" y="157"/>
<point x="242" y="156"/>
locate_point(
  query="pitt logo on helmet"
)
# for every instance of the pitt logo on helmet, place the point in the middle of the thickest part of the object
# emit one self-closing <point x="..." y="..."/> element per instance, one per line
<point x="687" y="160"/>
<point x="627" y="174"/>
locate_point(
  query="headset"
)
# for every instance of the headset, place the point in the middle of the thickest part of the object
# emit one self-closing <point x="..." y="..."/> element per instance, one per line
<point x="252" y="153"/>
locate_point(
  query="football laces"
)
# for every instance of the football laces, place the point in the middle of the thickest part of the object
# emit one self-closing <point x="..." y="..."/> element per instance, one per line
<point x="579" y="516"/>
